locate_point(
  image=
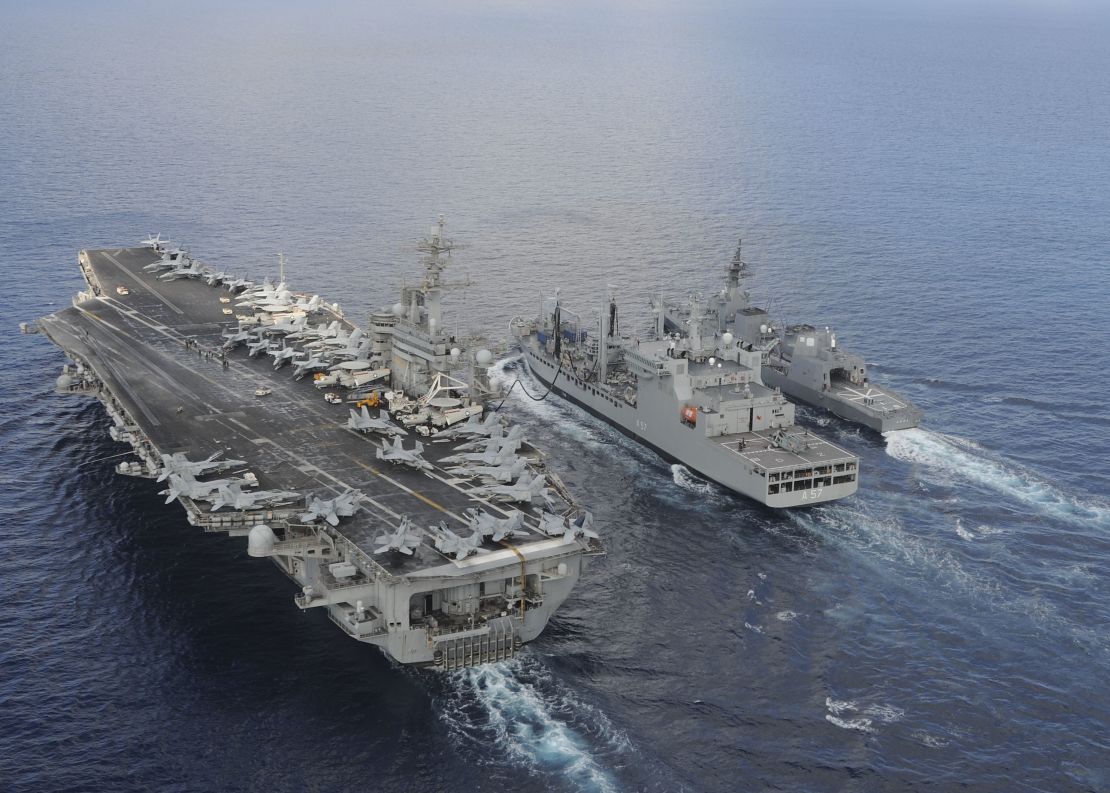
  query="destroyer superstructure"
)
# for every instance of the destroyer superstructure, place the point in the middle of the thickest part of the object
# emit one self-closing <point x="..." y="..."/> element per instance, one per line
<point x="698" y="400"/>
<point x="339" y="453"/>
<point x="804" y="361"/>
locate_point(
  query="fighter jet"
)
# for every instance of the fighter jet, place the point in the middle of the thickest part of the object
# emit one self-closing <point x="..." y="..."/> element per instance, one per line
<point x="345" y="340"/>
<point x="493" y="455"/>
<point x="398" y="455"/>
<point x="190" y="268"/>
<point x="234" y="284"/>
<point x="187" y="485"/>
<point x="362" y="422"/>
<point x="266" y="294"/>
<point x="213" y="278"/>
<point x="310" y="305"/>
<point x="332" y="509"/>
<point x="482" y="441"/>
<point x="321" y="331"/>
<point x="498" y="440"/>
<point x="450" y="543"/>
<point x="473" y="427"/>
<point x="582" y="526"/>
<point x="522" y="490"/>
<point x="496" y="529"/>
<point x="256" y="348"/>
<point x="282" y="355"/>
<point x="170" y="259"/>
<point x="154" y="241"/>
<point x="178" y="463"/>
<point x="559" y="526"/>
<point x="504" y="473"/>
<point x="288" y="325"/>
<point x="233" y="338"/>
<point x="311" y="363"/>
<point x="233" y="496"/>
<point x="404" y="539"/>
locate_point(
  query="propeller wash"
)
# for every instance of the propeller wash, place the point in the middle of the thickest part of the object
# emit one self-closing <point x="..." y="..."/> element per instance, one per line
<point x="416" y="519"/>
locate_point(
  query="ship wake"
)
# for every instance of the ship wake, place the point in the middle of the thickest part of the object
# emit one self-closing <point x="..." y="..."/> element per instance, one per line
<point x="687" y="481"/>
<point x="518" y="708"/>
<point x="954" y="459"/>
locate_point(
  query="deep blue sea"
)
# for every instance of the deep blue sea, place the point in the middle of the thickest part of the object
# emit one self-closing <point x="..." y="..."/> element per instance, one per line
<point x="931" y="178"/>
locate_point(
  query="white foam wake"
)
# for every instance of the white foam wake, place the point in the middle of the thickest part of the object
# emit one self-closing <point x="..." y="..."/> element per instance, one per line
<point x="957" y="459"/>
<point x="687" y="481"/>
<point x="518" y="709"/>
<point x="841" y="714"/>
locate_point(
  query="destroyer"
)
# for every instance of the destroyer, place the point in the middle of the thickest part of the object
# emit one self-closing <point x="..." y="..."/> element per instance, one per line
<point x="695" y="399"/>
<point x="418" y="521"/>
<point x="803" y="361"/>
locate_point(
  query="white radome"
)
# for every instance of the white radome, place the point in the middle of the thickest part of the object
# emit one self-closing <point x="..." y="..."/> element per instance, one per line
<point x="484" y="357"/>
<point x="260" y="540"/>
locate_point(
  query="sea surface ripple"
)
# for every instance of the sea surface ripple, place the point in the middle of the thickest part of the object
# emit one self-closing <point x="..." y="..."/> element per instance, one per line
<point x="929" y="177"/>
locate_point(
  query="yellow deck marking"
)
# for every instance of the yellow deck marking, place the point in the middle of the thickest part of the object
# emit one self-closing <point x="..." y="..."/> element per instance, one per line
<point x="421" y="496"/>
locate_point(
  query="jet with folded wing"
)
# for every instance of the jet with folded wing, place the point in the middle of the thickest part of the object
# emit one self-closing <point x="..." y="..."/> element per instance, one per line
<point x="399" y="455"/>
<point x="364" y="422"/>
<point x="522" y="491"/>
<point x="331" y="510"/>
<point x="233" y="496"/>
<point x="404" y="539"/>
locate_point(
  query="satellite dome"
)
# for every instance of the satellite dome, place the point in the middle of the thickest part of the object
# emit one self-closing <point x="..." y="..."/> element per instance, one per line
<point x="65" y="382"/>
<point x="398" y="310"/>
<point x="455" y="352"/>
<point x="727" y="339"/>
<point x="484" y="357"/>
<point x="260" y="541"/>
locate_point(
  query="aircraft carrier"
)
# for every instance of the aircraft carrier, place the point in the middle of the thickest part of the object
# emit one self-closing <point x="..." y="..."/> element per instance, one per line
<point x="362" y="462"/>
<point x="804" y="361"/>
<point x="697" y="400"/>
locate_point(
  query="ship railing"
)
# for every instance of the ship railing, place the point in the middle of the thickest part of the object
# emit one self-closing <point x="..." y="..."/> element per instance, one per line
<point x="352" y="553"/>
<point x="352" y="629"/>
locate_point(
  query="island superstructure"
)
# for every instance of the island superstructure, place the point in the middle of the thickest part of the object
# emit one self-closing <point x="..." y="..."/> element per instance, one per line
<point x="363" y="462"/>
<point x="697" y="400"/>
<point x="804" y="361"/>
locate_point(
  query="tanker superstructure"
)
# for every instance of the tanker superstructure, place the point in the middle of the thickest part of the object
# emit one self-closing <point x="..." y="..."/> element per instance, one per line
<point x="697" y="400"/>
<point x="805" y="361"/>
<point x="374" y="476"/>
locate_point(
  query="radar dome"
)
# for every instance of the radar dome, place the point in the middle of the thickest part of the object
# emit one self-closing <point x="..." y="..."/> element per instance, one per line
<point x="726" y="339"/>
<point x="65" y="382"/>
<point x="484" y="357"/>
<point x="455" y="352"/>
<point x="260" y="541"/>
<point x="398" y="310"/>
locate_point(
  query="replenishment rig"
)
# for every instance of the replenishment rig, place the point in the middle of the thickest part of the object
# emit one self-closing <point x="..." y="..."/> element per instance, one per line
<point x="697" y="400"/>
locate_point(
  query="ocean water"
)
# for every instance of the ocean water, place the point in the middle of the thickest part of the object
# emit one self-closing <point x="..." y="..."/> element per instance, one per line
<point x="929" y="177"/>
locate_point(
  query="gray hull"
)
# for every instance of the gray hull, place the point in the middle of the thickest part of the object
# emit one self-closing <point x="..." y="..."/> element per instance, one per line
<point x="151" y="350"/>
<point x="848" y="408"/>
<point x="763" y="472"/>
